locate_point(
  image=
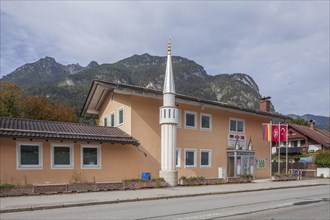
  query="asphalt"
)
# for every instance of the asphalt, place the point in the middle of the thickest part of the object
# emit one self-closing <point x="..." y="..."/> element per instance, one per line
<point x="41" y="202"/>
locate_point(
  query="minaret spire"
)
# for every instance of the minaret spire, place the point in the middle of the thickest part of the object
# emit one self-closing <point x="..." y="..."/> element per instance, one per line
<point x="169" y="86"/>
<point x="168" y="122"/>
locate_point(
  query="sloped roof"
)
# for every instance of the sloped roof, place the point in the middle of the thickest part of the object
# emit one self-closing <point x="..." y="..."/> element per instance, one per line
<point x="320" y="137"/>
<point x="99" y="88"/>
<point x="37" y="129"/>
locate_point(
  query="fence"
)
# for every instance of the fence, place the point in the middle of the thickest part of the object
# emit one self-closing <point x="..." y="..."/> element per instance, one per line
<point x="306" y="170"/>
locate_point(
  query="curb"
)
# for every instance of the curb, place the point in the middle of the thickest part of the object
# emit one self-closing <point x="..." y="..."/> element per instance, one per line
<point x="46" y="207"/>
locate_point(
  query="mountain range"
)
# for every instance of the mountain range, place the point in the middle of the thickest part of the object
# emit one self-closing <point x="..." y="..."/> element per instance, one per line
<point x="70" y="83"/>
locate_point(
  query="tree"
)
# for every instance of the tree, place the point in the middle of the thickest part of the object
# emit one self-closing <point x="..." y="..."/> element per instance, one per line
<point x="299" y="121"/>
<point x="10" y="99"/>
<point x="32" y="107"/>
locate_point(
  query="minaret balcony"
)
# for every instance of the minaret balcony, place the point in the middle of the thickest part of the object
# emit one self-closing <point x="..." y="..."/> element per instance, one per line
<point x="168" y="115"/>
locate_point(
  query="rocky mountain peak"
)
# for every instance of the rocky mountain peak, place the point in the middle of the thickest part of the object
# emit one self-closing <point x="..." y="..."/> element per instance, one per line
<point x="92" y="64"/>
<point x="144" y="70"/>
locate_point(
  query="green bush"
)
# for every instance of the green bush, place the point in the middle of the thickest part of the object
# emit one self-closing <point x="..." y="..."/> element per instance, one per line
<point x="323" y="159"/>
<point x="6" y="185"/>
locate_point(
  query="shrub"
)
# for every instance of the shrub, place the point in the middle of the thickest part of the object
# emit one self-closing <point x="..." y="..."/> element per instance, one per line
<point x="6" y="185"/>
<point x="323" y="159"/>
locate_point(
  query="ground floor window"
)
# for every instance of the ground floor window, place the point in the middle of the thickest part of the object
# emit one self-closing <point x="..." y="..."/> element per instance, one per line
<point x="29" y="155"/>
<point x="190" y="157"/>
<point x="205" y="156"/>
<point x="91" y="156"/>
<point x="177" y="157"/>
<point x="62" y="156"/>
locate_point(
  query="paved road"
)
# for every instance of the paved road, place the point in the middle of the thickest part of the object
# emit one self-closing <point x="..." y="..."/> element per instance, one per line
<point x="294" y="203"/>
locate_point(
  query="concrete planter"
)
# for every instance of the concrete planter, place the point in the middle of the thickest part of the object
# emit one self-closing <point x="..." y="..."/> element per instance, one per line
<point x="143" y="184"/>
<point x="82" y="187"/>
<point x="54" y="188"/>
<point x="110" y="186"/>
<point x="214" y="181"/>
<point x="325" y="172"/>
<point x="62" y="188"/>
<point x="284" y="178"/>
<point x="240" y="179"/>
<point x="16" y="191"/>
<point x="192" y="181"/>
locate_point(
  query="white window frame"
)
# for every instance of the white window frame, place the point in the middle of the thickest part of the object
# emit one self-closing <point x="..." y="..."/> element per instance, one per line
<point x="195" y="157"/>
<point x="120" y="109"/>
<point x="19" y="166"/>
<point x="105" y="117"/>
<point x="185" y="120"/>
<point x="210" y="117"/>
<point x="114" y="119"/>
<point x="179" y="118"/>
<point x="237" y="119"/>
<point x="210" y="158"/>
<point x="99" y="156"/>
<point x="52" y="165"/>
<point x="179" y="157"/>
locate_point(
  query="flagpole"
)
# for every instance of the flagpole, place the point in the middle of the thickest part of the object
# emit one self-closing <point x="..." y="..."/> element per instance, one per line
<point x="270" y="151"/>
<point x="286" y="149"/>
<point x="279" y="149"/>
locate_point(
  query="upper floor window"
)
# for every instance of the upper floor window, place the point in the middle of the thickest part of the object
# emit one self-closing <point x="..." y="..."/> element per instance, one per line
<point x="190" y="119"/>
<point x="29" y="155"/>
<point x="112" y="119"/>
<point x="206" y="121"/>
<point x="179" y="118"/>
<point x="236" y="125"/>
<point x="120" y="116"/>
<point x="105" y="121"/>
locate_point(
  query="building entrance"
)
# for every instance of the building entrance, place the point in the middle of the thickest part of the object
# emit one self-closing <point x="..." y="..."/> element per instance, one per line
<point x="240" y="162"/>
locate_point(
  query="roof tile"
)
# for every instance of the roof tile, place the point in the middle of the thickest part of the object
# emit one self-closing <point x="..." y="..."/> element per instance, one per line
<point x="15" y="127"/>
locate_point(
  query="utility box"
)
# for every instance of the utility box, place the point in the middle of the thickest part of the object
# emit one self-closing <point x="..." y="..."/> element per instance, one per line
<point x="222" y="173"/>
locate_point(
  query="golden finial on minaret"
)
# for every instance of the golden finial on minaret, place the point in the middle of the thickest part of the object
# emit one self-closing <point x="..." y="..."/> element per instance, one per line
<point x="169" y="46"/>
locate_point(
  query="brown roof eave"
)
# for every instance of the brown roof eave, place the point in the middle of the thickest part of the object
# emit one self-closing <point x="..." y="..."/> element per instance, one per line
<point x="179" y="96"/>
<point x="88" y="99"/>
<point x="133" y="141"/>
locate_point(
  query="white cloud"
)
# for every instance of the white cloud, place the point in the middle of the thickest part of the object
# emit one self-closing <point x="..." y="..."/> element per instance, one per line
<point x="284" y="46"/>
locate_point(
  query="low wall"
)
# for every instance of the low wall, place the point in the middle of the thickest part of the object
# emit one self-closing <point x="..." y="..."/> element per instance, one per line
<point x="325" y="172"/>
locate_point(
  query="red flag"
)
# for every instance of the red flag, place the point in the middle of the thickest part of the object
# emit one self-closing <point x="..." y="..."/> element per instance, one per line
<point x="276" y="133"/>
<point x="283" y="132"/>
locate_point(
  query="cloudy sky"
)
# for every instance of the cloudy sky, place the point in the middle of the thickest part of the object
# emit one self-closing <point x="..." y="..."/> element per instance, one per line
<point x="283" y="45"/>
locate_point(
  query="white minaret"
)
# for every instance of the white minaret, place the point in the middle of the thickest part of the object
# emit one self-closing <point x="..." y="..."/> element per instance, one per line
<point x="168" y="122"/>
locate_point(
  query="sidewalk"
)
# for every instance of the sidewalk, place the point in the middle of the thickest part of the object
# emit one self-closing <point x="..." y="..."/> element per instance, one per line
<point x="30" y="203"/>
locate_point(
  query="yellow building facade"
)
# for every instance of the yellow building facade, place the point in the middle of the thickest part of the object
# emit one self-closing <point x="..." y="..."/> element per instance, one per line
<point x="213" y="138"/>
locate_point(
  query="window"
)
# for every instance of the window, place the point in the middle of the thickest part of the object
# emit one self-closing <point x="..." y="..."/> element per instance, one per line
<point x="236" y="125"/>
<point x="91" y="156"/>
<point x="205" y="157"/>
<point x="206" y="122"/>
<point x="112" y="119"/>
<point x="190" y="119"/>
<point x="179" y="118"/>
<point x="120" y="116"/>
<point x="105" y="121"/>
<point x="177" y="157"/>
<point x="190" y="158"/>
<point x="29" y="155"/>
<point x="61" y="156"/>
